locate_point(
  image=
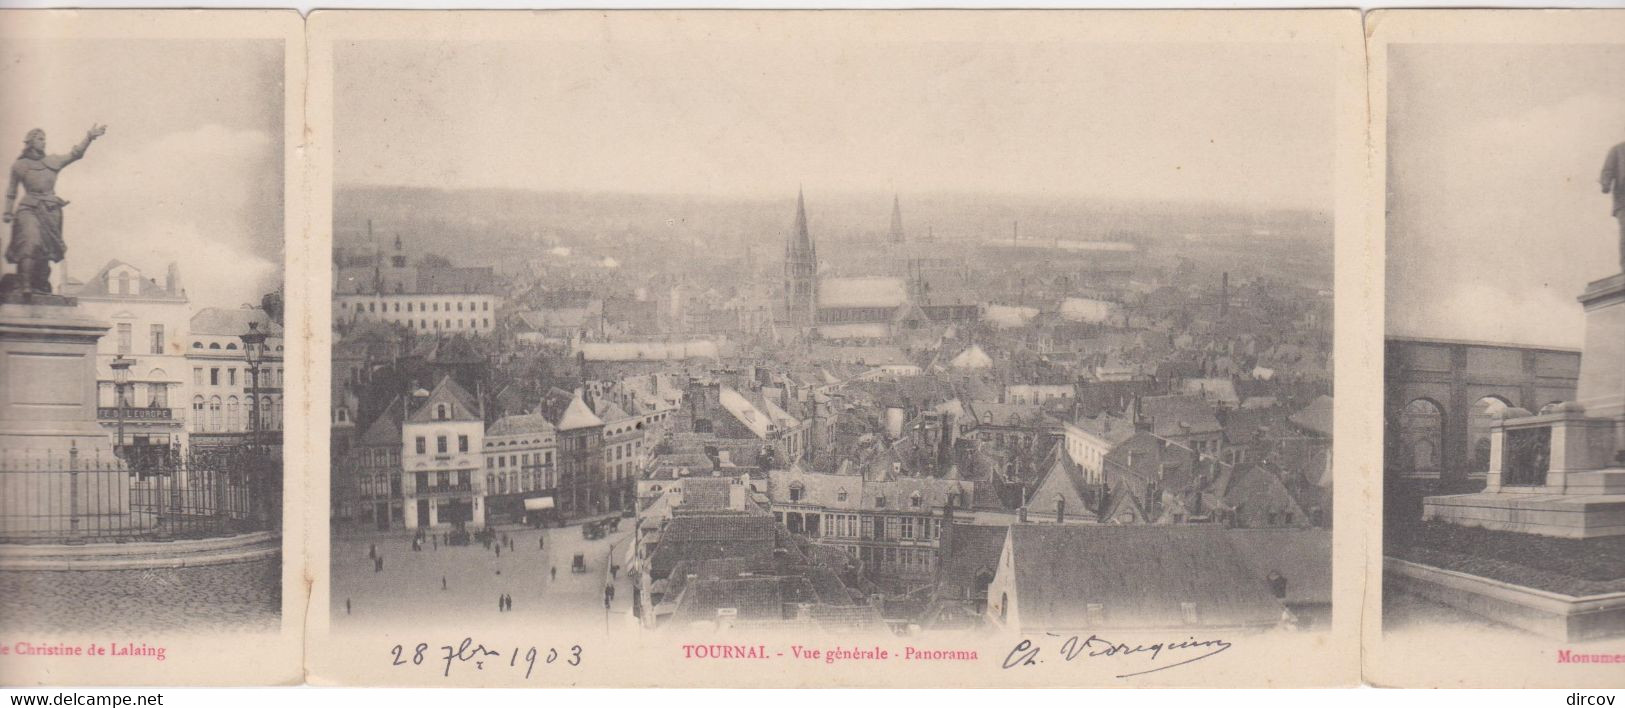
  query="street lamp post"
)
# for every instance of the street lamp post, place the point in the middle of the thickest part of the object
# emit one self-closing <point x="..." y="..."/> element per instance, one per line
<point x="253" y="350"/>
<point x="121" y="377"/>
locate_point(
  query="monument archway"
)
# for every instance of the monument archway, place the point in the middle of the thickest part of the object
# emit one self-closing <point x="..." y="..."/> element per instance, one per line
<point x="1466" y="383"/>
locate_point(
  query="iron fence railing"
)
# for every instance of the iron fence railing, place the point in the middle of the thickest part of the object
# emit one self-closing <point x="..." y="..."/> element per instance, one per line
<point x="148" y="493"/>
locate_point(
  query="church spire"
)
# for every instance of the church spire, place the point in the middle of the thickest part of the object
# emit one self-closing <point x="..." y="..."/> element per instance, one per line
<point x="896" y="233"/>
<point x="801" y="270"/>
<point x="802" y="239"/>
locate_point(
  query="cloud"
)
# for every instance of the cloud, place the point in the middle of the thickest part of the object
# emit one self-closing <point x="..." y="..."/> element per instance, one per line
<point x="209" y="199"/>
<point x="1498" y="224"/>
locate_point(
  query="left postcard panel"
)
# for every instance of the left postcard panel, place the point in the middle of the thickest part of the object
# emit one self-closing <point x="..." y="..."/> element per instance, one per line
<point x="147" y="361"/>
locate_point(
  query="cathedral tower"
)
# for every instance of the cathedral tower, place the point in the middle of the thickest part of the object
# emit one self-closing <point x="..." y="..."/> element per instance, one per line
<point x="800" y="271"/>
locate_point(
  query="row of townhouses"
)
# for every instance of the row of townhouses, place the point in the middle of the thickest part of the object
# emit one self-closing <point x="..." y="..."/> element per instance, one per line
<point x="186" y="374"/>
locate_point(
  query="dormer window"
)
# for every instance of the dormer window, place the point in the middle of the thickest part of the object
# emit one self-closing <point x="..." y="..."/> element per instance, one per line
<point x="915" y="500"/>
<point x="796" y="491"/>
<point x="840" y="495"/>
<point x="880" y="502"/>
<point x="440" y="412"/>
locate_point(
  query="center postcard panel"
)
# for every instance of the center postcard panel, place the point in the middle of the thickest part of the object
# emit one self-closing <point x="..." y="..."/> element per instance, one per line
<point x="794" y="349"/>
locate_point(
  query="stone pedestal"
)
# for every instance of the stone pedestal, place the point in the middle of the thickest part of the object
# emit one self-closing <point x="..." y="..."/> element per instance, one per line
<point x="48" y="380"/>
<point x="1602" y="367"/>
<point x="1558" y="473"/>
<point x="59" y="477"/>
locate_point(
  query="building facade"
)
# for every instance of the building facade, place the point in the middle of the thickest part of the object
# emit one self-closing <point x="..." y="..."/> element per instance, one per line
<point x="228" y="399"/>
<point x="432" y="299"/>
<point x="891" y="526"/>
<point x="443" y="461"/>
<point x="521" y="472"/>
<point x="149" y="324"/>
<point x="580" y="459"/>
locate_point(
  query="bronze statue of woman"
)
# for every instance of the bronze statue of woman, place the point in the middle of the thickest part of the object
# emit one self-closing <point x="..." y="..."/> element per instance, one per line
<point x="36" y="225"/>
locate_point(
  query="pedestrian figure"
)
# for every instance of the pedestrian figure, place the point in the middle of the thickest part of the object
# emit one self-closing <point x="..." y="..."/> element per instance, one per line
<point x="373" y="551"/>
<point x="499" y="550"/>
<point x="554" y="572"/>
<point x="541" y="542"/>
<point x="500" y="603"/>
<point x="442" y="582"/>
<point x="614" y="570"/>
<point x="346" y="605"/>
<point x="436" y="541"/>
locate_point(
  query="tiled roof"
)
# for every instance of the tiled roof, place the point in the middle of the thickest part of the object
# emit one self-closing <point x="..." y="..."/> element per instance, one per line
<point x="968" y="551"/>
<point x="231" y="322"/>
<point x="1302" y="556"/>
<point x="862" y="292"/>
<point x="463" y="407"/>
<point x="578" y="415"/>
<point x="1316" y="417"/>
<point x="1179" y="415"/>
<point x="707" y="492"/>
<point x="712" y="536"/>
<point x="749" y="599"/>
<point x="385" y="431"/>
<point x="1139" y="576"/>
<point x="520" y="425"/>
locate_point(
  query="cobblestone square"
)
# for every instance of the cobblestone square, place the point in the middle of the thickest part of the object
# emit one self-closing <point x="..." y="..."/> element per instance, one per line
<point x="409" y="587"/>
<point x="232" y="597"/>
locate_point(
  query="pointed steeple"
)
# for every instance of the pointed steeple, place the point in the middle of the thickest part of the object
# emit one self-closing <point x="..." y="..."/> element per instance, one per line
<point x="801" y="239"/>
<point x="896" y="233"/>
<point x="801" y="270"/>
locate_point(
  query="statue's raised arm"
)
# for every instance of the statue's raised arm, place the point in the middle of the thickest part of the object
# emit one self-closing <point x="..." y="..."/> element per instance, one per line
<point x="36" y="222"/>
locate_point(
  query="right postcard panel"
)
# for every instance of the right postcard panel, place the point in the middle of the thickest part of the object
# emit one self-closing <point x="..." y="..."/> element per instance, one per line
<point x="1502" y="162"/>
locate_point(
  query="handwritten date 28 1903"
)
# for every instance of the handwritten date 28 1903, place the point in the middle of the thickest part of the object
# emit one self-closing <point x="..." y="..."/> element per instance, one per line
<point x="481" y="657"/>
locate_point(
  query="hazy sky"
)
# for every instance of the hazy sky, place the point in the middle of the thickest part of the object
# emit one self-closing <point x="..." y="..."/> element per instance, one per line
<point x="191" y="167"/>
<point x="1247" y="124"/>
<point x="1496" y="220"/>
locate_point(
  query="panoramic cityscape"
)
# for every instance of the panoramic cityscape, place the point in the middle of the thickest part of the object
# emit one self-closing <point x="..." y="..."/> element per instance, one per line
<point x="856" y="425"/>
<point x="654" y="371"/>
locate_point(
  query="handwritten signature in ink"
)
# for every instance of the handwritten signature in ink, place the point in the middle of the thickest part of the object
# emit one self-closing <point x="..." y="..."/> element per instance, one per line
<point x="1073" y="648"/>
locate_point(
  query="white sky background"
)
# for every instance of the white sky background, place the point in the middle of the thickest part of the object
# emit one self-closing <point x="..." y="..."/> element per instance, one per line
<point x="1496" y="219"/>
<point x="1240" y="124"/>
<point x="191" y="167"/>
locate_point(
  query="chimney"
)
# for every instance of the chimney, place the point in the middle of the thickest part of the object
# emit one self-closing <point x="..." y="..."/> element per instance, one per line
<point x="1277" y="584"/>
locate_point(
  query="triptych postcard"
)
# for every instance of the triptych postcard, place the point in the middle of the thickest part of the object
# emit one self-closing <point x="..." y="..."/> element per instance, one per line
<point x="973" y="348"/>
